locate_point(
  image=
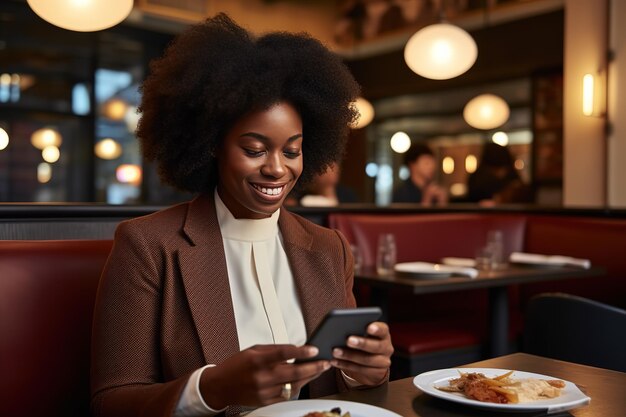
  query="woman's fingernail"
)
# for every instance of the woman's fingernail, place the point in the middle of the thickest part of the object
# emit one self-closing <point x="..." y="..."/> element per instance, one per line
<point x="313" y="351"/>
<point x="353" y="341"/>
<point x="374" y="328"/>
<point x="337" y="352"/>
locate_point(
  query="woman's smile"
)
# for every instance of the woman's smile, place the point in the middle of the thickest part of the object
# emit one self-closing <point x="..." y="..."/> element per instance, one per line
<point x="260" y="161"/>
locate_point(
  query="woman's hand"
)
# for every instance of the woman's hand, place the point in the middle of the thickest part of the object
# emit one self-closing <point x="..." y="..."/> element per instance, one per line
<point x="256" y="376"/>
<point x="367" y="359"/>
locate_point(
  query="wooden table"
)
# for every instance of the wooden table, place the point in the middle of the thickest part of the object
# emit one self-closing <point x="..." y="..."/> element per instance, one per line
<point x="496" y="281"/>
<point x="607" y="390"/>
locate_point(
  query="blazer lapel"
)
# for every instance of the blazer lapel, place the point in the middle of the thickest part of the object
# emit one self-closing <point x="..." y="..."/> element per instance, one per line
<point x="304" y="264"/>
<point x="205" y="278"/>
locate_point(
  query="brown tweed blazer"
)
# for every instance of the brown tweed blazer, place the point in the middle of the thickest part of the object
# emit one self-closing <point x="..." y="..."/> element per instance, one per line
<point x="164" y="307"/>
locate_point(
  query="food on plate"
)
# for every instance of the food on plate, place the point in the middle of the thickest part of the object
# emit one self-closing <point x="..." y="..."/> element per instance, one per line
<point x="503" y="389"/>
<point x="335" y="412"/>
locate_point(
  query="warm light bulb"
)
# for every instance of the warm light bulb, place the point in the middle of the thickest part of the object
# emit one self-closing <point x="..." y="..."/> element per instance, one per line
<point x="366" y="112"/>
<point x="50" y="154"/>
<point x="108" y="149"/>
<point x="4" y="139"/>
<point x="501" y="138"/>
<point x="44" y="172"/>
<point x="400" y="142"/>
<point x="128" y="173"/>
<point x="458" y="189"/>
<point x="46" y="137"/>
<point x="448" y="165"/>
<point x="440" y="51"/>
<point x="115" y="109"/>
<point x="82" y="15"/>
<point x="486" y="111"/>
<point x="471" y="163"/>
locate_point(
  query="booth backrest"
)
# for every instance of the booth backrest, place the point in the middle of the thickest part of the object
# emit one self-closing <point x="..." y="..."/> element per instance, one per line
<point x="603" y="241"/>
<point x="47" y="294"/>
<point x="428" y="237"/>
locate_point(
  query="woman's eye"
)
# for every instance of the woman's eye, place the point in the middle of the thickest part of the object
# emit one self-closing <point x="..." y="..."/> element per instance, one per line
<point x="252" y="152"/>
<point x="292" y="154"/>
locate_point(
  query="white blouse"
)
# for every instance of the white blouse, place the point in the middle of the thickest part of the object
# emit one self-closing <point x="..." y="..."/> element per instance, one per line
<point x="265" y="302"/>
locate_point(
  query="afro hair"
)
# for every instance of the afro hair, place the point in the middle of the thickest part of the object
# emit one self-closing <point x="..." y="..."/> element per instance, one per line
<point x="214" y="73"/>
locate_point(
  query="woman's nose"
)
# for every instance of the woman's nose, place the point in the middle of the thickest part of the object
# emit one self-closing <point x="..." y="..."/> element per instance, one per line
<point x="274" y="166"/>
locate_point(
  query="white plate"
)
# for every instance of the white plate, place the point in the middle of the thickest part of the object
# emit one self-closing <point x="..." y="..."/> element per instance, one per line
<point x="571" y="396"/>
<point x="426" y="269"/>
<point x="299" y="408"/>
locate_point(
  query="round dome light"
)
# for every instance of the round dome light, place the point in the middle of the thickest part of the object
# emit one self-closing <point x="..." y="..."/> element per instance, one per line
<point x="46" y="137"/>
<point x="501" y="138"/>
<point x="366" y="111"/>
<point x="44" y="172"/>
<point x="440" y="51"/>
<point x="486" y="111"/>
<point x="4" y="139"/>
<point x="128" y="173"/>
<point x="82" y="15"/>
<point x="108" y="149"/>
<point x="50" y="154"/>
<point x="115" y="109"/>
<point x="400" y="142"/>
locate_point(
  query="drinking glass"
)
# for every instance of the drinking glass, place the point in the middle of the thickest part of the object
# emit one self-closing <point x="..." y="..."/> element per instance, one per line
<point x="495" y="243"/>
<point x="386" y="254"/>
<point x="484" y="258"/>
<point x="358" y="259"/>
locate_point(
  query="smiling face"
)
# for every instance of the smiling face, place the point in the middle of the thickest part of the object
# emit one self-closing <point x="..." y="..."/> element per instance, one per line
<point x="260" y="161"/>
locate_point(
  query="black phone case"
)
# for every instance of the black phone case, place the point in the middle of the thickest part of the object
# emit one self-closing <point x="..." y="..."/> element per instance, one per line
<point x="337" y="326"/>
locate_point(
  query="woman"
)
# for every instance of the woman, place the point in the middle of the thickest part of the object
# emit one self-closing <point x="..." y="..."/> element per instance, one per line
<point x="496" y="181"/>
<point x="201" y="306"/>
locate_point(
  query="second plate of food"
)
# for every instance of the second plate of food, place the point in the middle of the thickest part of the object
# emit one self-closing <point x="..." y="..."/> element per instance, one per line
<point x="570" y="395"/>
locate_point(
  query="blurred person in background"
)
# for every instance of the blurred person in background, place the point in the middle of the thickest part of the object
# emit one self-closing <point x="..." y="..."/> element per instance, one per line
<point x="326" y="191"/>
<point x="496" y="180"/>
<point x="420" y="186"/>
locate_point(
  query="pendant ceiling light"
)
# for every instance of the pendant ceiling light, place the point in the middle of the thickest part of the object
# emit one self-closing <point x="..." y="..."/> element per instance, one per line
<point x="440" y="51"/>
<point x="82" y="15"/>
<point x="486" y="111"/>
<point x="366" y="112"/>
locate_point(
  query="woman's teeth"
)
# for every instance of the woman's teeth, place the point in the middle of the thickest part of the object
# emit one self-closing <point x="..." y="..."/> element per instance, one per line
<point x="268" y="191"/>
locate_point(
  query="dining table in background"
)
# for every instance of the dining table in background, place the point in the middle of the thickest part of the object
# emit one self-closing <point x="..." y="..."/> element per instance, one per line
<point x="496" y="281"/>
<point x="606" y="388"/>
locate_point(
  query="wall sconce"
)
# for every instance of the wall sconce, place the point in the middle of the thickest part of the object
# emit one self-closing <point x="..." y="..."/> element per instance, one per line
<point x="82" y="15"/>
<point x="594" y="94"/>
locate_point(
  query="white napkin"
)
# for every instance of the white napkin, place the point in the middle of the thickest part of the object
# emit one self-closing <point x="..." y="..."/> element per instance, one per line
<point x="464" y="262"/>
<point x="534" y="258"/>
<point x="427" y="268"/>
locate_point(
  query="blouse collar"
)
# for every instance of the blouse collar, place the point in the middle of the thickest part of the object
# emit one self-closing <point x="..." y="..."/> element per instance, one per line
<point x="250" y="230"/>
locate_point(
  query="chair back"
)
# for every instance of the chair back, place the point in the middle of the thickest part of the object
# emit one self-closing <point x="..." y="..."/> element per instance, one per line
<point x="576" y="329"/>
<point x="47" y="295"/>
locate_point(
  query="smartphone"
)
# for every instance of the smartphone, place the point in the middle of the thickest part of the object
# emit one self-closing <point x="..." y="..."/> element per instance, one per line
<point x="337" y="326"/>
